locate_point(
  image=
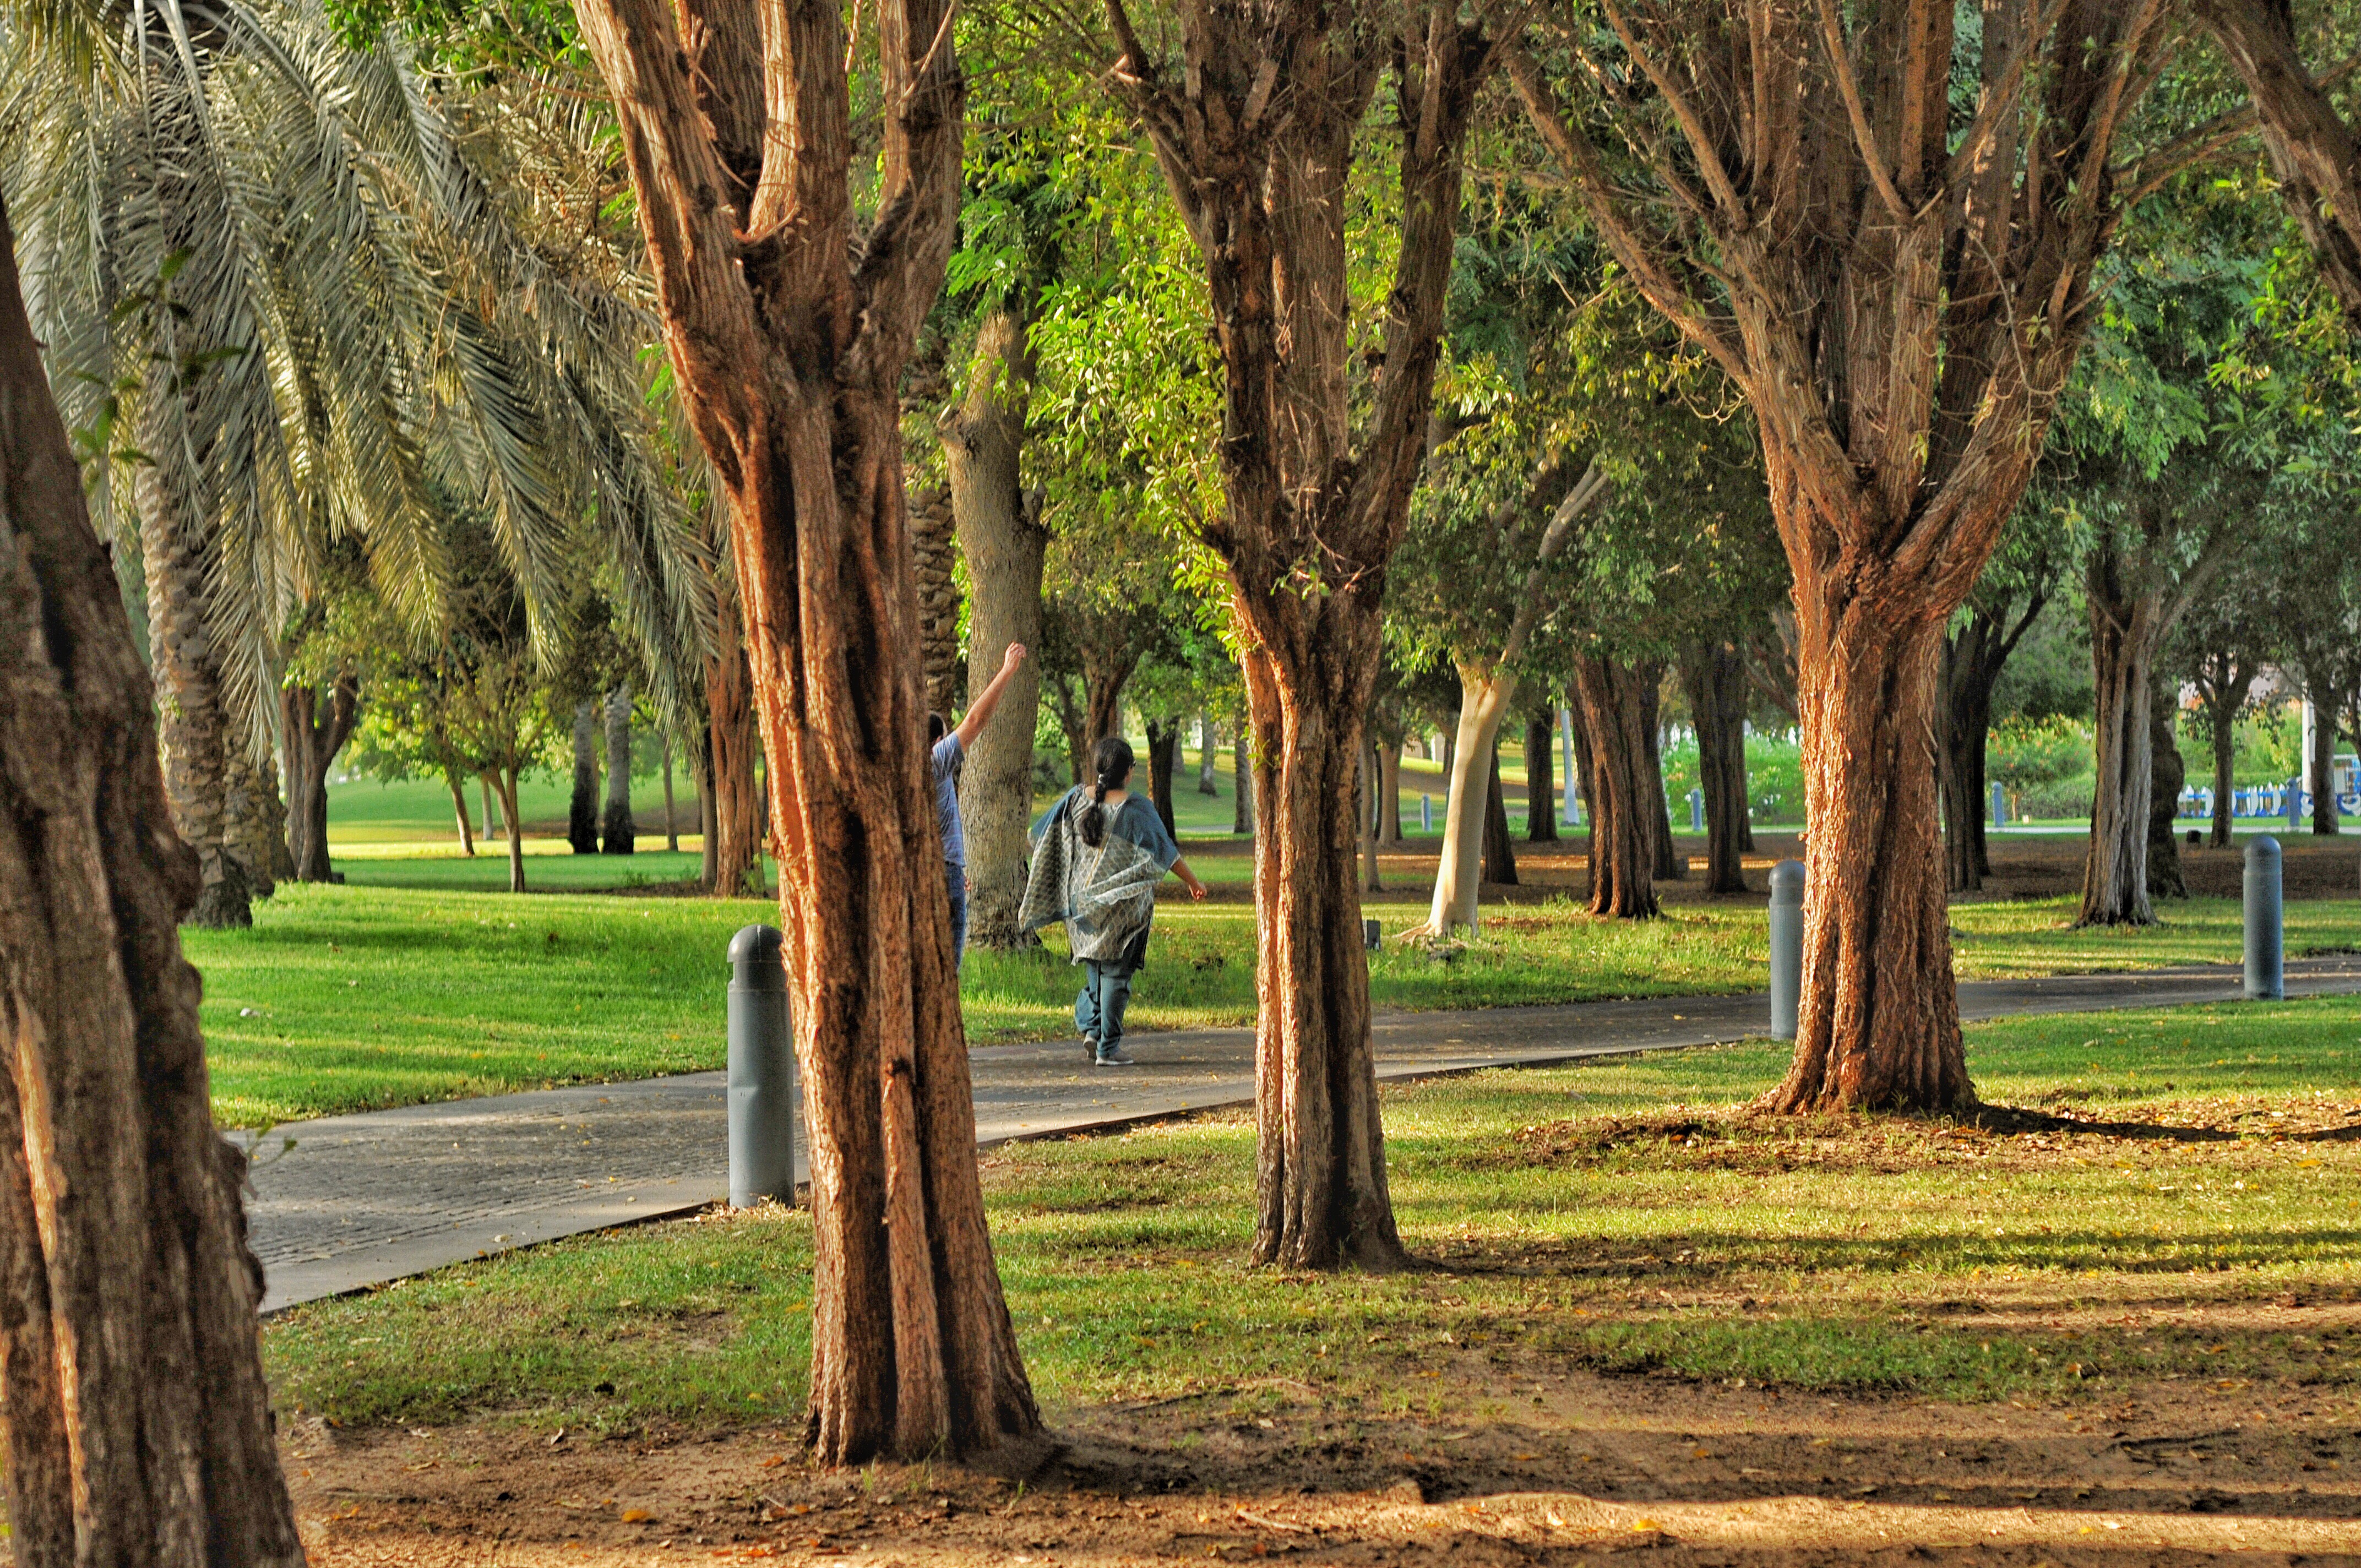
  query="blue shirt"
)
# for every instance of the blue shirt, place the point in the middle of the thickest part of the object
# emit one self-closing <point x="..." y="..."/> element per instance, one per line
<point x="947" y="754"/>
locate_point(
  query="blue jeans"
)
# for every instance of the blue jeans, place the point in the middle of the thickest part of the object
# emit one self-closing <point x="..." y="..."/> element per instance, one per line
<point x="956" y="883"/>
<point x="1106" y="992"/>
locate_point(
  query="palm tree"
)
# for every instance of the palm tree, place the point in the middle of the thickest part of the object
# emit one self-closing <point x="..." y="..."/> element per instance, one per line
<point x="279" y="264"/>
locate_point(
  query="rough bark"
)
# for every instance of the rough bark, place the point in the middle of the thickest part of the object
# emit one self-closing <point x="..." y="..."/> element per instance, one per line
<point x="788" y="332"/>
<point x="1372" y="878"/>
<point x="1613" y="746"/>
<point x="138" y="1426"/>
<point x="708" y="855"/>
<point x="934" y="550"/>
<point x="1973" y="658"/>
<point x="254" y="822"/>
<point x="1163" y="760"/>
<point x="619" y="833"/>
<point x="1256" y="138"/>
<point x="582" y="805"/>
<point x="1106" y="665"/>
<point x="1540" y="781"/>
<point x="734" y="745"/>
<point x="1001" y="534"/>
<point x="1714" y="677"/>
<point x="1499" y="848"/>
<point x="1899" y="289"/>
<point x="2315" y="154"/>
<point x="1390" y="827"/>
<point x="2168" y="775"/>
<point x="316" y="722"/>
<point x="192" y="721"/>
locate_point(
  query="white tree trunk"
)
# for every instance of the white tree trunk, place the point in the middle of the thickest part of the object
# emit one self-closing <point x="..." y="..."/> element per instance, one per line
<point x="1484" y="699"/>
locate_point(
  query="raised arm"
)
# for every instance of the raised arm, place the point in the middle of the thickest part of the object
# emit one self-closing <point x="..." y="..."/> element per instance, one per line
<point x="979" y="713"/>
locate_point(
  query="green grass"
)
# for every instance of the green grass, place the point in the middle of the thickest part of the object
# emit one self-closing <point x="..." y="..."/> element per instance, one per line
<point x="1618" y="1217"/>
<point x="352" y="997"/>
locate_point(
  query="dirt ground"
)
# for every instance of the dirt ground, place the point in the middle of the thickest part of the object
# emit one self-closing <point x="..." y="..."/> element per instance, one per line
<point x="2027" y="866"/>
<point x="1563" y="1468"/>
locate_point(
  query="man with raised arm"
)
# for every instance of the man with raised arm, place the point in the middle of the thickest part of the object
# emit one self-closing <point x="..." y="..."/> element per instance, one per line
<point x="948" y="747"/>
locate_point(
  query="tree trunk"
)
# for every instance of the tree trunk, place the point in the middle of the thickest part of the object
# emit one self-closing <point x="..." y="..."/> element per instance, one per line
<point x="1207" y="749"/>
<point x="1499" y="848"/>
<point x="620" y="833"/>
<point x="254" y="823"/>
<point x="459" y="810"/>
<point x="1614" y="745"/>
<point x="933" y="524"/>
<point x="1541" y="782"/>
<point x="2320" y="768"/>
<point x="734" y="827"/>
<point x="1001" y="537"/>
<point x="1322" y="1197"/>
<point x="1671" y="864"/>
<point x="490" y="827"/>
<point x="1104" y="671"/>
<point x="1241" y="787"/>
<point x="1390" y="827"/>
<point x="507" y="783"/>
<point x="2224" y="681"/>
<point x="192" y="724"/>
<point x="788" y="335"/>
<point x="1963" y="705"/>
<point x="671" y="833"/>
<point x="315" y="725"/>
<point x="2169" y="774"/>
<point x="1879" y="1021"/>
<point x="2315" y="154"/>
<point x="138" y="1426"/>
<point x="708" y="855"/>
<point x="582" y="810"/>
<point x="1714" y="675"/>
<point x="1372" y="879"/>
<point x="1163" y="757"/>
<point x="1485" y="694"/>
<point x="2126" y="625"/>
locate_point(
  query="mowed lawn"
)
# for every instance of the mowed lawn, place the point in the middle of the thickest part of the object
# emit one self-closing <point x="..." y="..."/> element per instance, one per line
<point x="1625" y="1216"/>
<point x="359" y="996"/>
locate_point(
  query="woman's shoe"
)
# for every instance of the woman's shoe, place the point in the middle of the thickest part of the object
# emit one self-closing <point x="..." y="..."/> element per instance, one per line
<point x="1116" y="1058"/>
<point x="1090" y="1049"/>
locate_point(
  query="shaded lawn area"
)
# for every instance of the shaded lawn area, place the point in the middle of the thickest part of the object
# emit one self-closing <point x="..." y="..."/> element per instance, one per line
<point x="349" y="998"/>
<point x="1619" y="1217"/>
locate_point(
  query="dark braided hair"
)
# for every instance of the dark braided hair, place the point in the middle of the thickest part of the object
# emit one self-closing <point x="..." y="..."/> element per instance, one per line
<point x="1111" y="761"/>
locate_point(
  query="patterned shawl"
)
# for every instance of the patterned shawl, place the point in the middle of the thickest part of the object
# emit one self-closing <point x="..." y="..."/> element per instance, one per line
<point x="1107" y="896"/>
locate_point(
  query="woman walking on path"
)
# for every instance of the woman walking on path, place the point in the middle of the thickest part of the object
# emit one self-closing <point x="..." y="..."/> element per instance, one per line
<point x="1098" y="856"/>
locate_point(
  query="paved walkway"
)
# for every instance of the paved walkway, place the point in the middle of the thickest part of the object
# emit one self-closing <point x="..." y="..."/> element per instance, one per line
<point x="373" y="1197"/>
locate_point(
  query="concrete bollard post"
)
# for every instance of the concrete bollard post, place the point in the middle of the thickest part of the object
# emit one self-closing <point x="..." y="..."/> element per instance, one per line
<point x="2266" y="943"/>
<point x="2000" y="806"/>
<point x="1426" y="814"/>
<point x="1786" y="946"/>
<point x="1697" y="811"/>
<point x="765" y="1107"/>
<point x="2295" y="804"/>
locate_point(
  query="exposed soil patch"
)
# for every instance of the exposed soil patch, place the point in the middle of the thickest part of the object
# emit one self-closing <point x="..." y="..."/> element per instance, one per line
<point x="1521" y="1464"/>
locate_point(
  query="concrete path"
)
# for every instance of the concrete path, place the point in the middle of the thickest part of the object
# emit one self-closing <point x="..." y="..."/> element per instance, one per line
<point x="364" y="1199"/>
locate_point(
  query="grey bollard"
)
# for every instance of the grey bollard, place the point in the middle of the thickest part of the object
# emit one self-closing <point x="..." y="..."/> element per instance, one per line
<point x="2295" y="804"/>
<point x="1697" y="811"/>
<point x="2266" y="945"/>
<point x="763" y="1109"/>
<point x="1426" y="814"/>
<point x="1786" y="946"/>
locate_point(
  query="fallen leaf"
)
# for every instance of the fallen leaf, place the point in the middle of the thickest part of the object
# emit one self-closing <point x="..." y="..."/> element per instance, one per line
<point x="637" y="1515"/>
